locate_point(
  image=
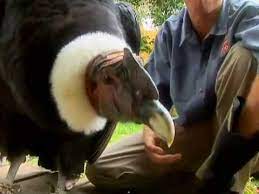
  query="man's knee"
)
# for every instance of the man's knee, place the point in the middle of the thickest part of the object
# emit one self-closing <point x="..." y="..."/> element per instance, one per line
<point x="234" y="78"/>
<point x="238" y="51"/>
<point x="238" y="63"/>
<point x="248" y="122"/>
<point x="237" y="77"/>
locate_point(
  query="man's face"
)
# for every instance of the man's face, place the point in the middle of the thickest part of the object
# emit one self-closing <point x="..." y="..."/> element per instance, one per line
<point x="206" y="6"/>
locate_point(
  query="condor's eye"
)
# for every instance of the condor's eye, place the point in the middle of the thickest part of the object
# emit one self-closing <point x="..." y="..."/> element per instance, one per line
<point x="108" y="79"/>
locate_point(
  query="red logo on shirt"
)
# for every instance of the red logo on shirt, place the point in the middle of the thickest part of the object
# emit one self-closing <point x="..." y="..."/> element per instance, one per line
<point x="225" y="47"/>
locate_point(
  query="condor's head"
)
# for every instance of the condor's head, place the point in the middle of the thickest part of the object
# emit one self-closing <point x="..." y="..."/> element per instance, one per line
<point x="96" y="78"/>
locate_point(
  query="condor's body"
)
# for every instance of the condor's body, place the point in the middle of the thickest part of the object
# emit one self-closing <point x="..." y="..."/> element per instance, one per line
<point x="32" y="35"/>
<point x="68" y="71"/>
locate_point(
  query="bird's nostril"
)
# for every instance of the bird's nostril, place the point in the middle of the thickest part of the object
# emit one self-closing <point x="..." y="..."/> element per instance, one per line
<point x="138" y="93"/>
<point x="108" y="79"/>
<point x="138" y="96"/>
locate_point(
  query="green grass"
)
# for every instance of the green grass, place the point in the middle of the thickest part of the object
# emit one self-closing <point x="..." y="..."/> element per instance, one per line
<point x="251" y="187"/>
<point x="124" y="129"/>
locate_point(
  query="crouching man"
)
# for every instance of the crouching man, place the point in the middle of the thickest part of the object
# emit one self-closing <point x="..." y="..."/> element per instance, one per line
<point x="205" y="64"/>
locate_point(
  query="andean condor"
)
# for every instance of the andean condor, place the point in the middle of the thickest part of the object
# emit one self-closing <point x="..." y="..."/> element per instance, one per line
<point x="68" y="72"/>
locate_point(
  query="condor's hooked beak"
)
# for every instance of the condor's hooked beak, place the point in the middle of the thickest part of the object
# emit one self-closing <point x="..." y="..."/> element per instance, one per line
<point x="147" y="106"/>
<point x="154" y="114"/>
<point x="122" y="90"/>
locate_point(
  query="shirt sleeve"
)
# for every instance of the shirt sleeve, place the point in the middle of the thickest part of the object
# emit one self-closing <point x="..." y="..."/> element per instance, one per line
<point x="158" y="66"/>
<point x="248" y="29"/>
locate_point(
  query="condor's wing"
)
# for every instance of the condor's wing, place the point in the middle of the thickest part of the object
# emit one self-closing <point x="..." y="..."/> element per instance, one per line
<point x="26" y="55"/>
<point x="130" y="25"/>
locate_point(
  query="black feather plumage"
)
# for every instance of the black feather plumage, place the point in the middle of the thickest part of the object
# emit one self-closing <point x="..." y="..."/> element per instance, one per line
<point x="130" y="25"/>
<point x="32" y="33"/>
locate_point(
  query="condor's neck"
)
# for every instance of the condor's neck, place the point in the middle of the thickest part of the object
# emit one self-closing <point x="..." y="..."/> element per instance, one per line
<point x="68" y="79"/>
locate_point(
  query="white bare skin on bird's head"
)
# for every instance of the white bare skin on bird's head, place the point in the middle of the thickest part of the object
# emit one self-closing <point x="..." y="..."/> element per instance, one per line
<point x="121" y="90"/>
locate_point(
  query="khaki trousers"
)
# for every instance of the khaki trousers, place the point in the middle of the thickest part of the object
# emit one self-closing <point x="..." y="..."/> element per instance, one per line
<point x="125" y="165"/>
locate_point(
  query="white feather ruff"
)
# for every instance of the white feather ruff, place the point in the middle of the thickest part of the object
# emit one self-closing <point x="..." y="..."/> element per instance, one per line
<point x="68" y="81"/>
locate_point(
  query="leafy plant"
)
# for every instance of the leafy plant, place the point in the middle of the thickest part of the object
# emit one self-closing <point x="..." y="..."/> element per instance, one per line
<point x="147" y="42"/>
<point x="158" y="10"/>
<point x="162" y="9"/>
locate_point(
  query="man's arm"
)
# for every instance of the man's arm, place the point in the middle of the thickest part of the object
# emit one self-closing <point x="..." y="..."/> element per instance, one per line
<point x="247" y="28"/>
<point x="158" y="65"/>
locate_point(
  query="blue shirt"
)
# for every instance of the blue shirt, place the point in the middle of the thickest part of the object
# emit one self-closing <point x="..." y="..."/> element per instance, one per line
<point x="185" y="69"/>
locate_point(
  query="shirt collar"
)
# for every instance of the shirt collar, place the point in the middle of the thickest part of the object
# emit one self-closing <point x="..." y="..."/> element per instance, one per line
<point x="186" y="27"/>
<point x="220" y="27"/>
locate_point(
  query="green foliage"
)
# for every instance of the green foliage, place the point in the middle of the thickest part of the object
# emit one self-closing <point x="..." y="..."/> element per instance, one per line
<point x="251" y="186"/>
<point x="146" y="44"/>
<point x="159" y="10"/>
<point x="162" y="9"/>
<point x="135" y="3"/>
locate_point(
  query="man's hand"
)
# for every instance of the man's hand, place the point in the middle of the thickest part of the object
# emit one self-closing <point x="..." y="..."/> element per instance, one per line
<point x="156" y="153"/>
